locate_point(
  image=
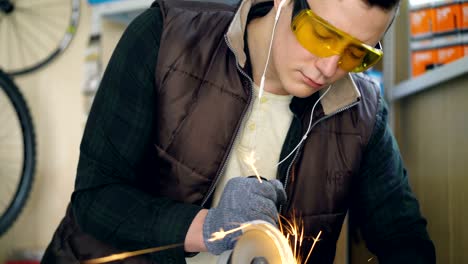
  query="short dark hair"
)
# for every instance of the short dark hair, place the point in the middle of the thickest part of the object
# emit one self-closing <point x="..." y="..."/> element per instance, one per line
<point x="384" y="4"/>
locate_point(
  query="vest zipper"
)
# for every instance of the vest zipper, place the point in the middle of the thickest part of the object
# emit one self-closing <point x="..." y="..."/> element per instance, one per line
<point x="288" y="171"/>
<point x="236" y="136"/>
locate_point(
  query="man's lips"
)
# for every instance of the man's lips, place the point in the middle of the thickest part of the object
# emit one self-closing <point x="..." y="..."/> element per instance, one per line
<point x="310" y="82"/>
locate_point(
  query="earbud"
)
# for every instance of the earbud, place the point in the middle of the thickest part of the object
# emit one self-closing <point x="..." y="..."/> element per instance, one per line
<point x="282" y="3"/>
<point x="262" y="79"/>
<point x="280" y="6"/>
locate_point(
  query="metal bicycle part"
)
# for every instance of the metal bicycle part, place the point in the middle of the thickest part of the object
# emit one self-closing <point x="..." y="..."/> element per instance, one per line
<point x="17" y="152"/>
<point x="33" y="33"/>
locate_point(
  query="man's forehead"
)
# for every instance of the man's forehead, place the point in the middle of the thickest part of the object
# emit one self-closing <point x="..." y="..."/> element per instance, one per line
<point x="354" y="17"/>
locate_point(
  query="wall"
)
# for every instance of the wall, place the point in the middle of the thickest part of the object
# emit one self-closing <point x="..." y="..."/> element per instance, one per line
<point x="434" y="140"/>
<point x="57" y="106"/>
<point x="432" y="129"/>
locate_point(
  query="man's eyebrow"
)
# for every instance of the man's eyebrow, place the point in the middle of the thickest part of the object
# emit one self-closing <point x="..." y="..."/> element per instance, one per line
<point x="357" y="47"/>
<point x="329" y="27"/>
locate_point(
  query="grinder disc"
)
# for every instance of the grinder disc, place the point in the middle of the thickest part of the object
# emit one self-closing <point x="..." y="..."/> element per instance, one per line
<point x="261" y="239"/>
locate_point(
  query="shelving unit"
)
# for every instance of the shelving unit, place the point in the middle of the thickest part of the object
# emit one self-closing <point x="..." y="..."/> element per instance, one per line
<point x="435" y="77"/>
<point x="429" y="79"/>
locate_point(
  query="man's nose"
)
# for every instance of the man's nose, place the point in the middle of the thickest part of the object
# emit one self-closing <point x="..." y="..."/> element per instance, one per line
<point x="328" y="65"/>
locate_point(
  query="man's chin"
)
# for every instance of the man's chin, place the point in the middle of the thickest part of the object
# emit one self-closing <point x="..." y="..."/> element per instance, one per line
<point x="304" y="92"/>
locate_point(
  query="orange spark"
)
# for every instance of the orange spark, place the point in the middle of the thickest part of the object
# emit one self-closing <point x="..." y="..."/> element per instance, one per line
<point x="293" y="230"/>
<point x="125" y="255"/>
<point x="250" y="160"/>
<point x="313" y="245"/>
<point x="221" y="233"/>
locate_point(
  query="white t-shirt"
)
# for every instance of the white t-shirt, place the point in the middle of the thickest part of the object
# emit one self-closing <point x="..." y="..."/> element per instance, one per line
<point x="263" y="132"/>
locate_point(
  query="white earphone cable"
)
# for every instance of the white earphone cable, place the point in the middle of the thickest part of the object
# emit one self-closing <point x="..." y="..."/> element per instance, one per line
<point x="308" y="128"/>
<point x="262" y="80"/>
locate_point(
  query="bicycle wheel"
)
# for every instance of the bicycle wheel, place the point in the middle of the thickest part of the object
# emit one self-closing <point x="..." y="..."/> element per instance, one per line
<point x="17" y="152"/>
<point x="33" y="32"/>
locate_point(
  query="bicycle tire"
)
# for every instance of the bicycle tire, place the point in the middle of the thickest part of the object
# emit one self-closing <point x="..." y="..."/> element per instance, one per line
<point x="18" y="201"/>
<point x="22" y="35"/>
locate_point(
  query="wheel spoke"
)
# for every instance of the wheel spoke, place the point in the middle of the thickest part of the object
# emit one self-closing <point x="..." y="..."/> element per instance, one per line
<point x="8" y="61"/>
<point x="11" y="151"/>
<point x="32" y="50"/>
<point x="30" y="46"/>
<point x="19" y="45"/>
<point x="12" y="135"/>
<point x="29" y="31"/>
<point x="16" y="165"/>
<point x="12" y="158"/>
<point x="2" y="38"/>
<point x="58" y="21"/>
<point x="48" y="25"/>
<point x="35" y="32"/>
<point x="8" y="192"/>
<point x="8" y="119"/>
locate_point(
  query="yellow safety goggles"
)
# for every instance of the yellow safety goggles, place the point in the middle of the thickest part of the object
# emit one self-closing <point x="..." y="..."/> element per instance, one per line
<point x="324" y="40"/>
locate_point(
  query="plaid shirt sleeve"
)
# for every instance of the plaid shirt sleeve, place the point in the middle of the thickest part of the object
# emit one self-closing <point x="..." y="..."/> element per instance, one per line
<point x="109" y="201"/>
<point x="385" y="208"/>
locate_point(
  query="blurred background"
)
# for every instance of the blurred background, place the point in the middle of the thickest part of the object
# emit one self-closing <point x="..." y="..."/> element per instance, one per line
<point x="52" y="53"/>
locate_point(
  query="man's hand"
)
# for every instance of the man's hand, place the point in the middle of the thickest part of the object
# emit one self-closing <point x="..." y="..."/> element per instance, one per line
<point x="243" y="200"/>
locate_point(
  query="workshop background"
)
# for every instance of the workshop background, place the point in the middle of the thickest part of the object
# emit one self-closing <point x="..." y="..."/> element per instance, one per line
<point x="424" y="76"/>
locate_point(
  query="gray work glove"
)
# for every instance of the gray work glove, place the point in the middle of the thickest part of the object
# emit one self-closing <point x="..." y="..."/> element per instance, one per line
<point x="244" y="199"/>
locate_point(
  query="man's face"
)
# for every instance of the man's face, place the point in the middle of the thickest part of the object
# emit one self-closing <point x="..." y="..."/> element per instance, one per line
<point x="302" y="73"/>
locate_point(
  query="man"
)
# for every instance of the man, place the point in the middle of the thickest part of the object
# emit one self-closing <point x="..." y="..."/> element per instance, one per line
<point x="195" y="91"/>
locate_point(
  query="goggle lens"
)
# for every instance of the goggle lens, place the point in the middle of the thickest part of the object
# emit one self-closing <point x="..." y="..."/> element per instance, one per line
<point x="322" y="39"/>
